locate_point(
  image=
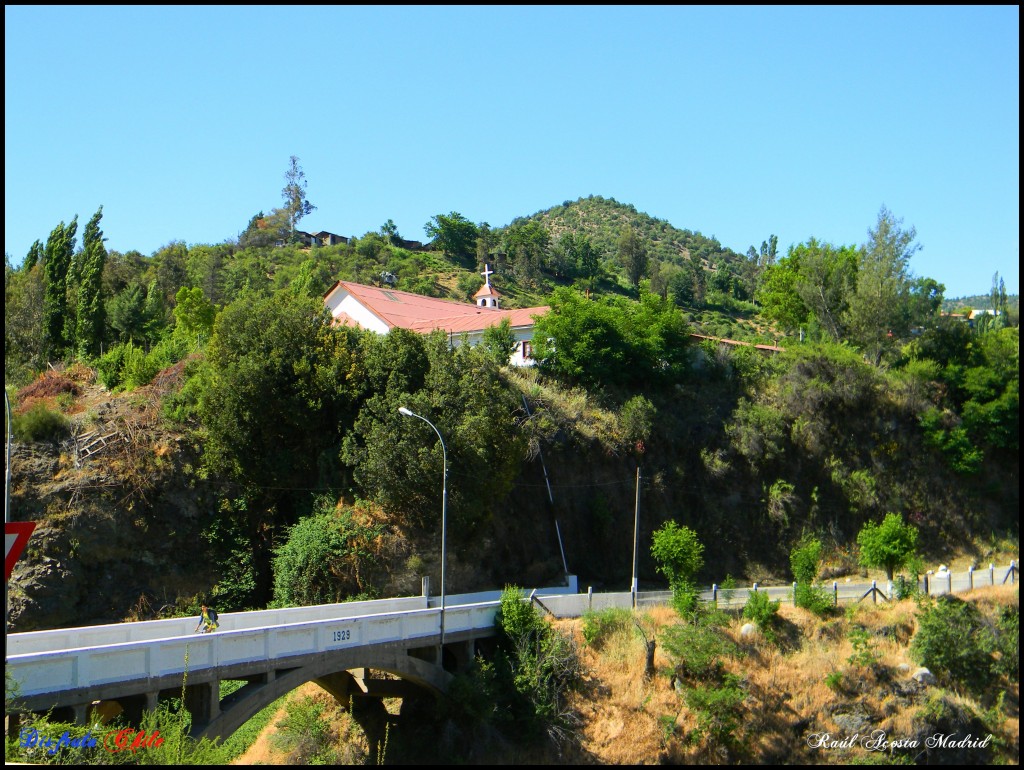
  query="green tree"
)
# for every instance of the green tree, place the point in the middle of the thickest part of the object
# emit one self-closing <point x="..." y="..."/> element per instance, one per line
<point x="24" y="292"/>
<point x="92" y="318"/>
<point x="35" y="255"/>
<point x="454" y="235"/>
<point x="499" y="341"/>
<point x="127" y="313"/>
<point x="678" y="552"/>
<point x="954" y="641"/>
<point x="778" y="296"/>
<point x="193" y="315"/>
<point x="205" y="267"/>
<point x="878" y="314"/>
<point x="389" y="230"/>
<point x="397" y="461"/>
<point x="632" y="255"/>
<point x="282" y="353"/>
<point x="296" y="206"/>
<point x="889" y="545"/>
<point x="826" y="278"/>
<point x="612" y="341"/>
<point x="60" y="247"/>
<point x="527" y="244"/>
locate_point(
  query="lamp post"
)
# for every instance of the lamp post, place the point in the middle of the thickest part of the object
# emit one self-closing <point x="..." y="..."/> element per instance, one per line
<point x="444" y="515"/>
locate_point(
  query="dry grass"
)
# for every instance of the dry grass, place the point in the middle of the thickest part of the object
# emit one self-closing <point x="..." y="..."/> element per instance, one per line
<point x="629" y="720"/>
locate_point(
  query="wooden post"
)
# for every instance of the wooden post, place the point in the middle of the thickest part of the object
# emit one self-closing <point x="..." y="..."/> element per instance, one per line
<point x="835" y="593"/>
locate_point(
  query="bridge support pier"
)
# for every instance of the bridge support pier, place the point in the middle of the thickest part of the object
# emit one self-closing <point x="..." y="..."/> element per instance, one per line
<point x="203" y="701"/>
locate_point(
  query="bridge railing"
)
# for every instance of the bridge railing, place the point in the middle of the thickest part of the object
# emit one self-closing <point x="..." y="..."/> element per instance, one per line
<point x="149" y="630"/>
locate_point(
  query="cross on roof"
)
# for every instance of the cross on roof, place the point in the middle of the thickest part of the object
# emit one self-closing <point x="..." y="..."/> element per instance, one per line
<point x="487" y="273"/>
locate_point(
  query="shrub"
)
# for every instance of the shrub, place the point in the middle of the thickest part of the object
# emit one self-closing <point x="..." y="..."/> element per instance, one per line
<point x="698" y="650"/>
<point x="599" y="626"/>
<point x="637" y="419"/>
<point x="804" y="560"/>
<point x="39" y="423"/>
<point x="864" y="653"/>
<point x="305" y="733"/>
<point x="1008" y="642"/>
<point x="953" y="640"/>
<point x="717" y="708"/>
<point x="543" y="665"/>
<point x="763" y="611"/>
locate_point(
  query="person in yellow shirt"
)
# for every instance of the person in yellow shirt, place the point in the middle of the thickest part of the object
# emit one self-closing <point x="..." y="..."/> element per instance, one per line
<point x="207" y="617"/>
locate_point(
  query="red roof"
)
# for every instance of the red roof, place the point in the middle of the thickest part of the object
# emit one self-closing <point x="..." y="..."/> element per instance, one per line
<point x="424" y="314"/>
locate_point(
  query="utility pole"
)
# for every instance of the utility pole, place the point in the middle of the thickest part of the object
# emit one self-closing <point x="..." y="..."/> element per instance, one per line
<point x="636" y="535"/>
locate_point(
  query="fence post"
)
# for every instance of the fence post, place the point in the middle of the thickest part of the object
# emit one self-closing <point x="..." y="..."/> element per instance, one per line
<point x="1012" y="574"/>
<point x="590" y="598"/>
<point x="835" y="593"/>
<point x="794" y="593"/>
<point x="755" y="588"/>
<point x="949" y="582"/>
<point x="991" y="574"/>
<point x="874" y="592"/>
<point x="714" y="594"/>
<point x="970" y="578"/>
<point x="927" y="588"/>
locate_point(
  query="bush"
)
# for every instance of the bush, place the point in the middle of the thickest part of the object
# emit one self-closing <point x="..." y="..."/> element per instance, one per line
<point x="698" y="650"/>
<point x="599" y="626"/>
<point x="305" y="733"/>
<point x="39" y="423"/>
<point x="762" y="610"/>
<point x="804" y="560"/>
<point x="953" y="641"/>
<point x="717" y="708"/>
<point x="543" y="666"/>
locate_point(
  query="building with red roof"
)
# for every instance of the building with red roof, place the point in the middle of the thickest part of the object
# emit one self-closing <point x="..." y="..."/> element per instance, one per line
<point x="382" y="309"/>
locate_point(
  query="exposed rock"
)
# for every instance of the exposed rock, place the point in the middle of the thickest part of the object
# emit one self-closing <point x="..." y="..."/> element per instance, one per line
<point x="924" y="676"/>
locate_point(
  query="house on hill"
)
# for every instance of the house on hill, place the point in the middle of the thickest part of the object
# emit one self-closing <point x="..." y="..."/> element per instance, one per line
<point x="381" y="309"/>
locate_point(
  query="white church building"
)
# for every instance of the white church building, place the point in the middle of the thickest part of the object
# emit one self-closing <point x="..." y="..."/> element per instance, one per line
<point x="381" y="309"/>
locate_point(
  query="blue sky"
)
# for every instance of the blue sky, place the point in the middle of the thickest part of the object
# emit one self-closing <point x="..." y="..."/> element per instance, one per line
<point x="735" y="122"/>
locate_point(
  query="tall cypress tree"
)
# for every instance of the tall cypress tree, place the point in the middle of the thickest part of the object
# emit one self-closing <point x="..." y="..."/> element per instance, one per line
<point x="60" y="247"/>
<point x="34" y="256"/>
<point x="91" y="312"/>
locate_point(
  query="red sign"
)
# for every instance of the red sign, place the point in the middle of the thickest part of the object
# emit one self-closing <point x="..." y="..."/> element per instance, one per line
<point x="16" y="535"/>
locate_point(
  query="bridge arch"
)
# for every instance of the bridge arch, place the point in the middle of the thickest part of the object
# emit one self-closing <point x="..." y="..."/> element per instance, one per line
<point x="338" y="678"/>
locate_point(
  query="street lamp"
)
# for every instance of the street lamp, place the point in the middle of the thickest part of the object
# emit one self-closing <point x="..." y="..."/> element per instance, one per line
<point x="444" y="514"/>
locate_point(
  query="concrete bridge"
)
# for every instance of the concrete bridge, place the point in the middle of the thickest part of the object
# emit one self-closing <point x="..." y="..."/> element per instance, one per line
<point x="375" y="649"/>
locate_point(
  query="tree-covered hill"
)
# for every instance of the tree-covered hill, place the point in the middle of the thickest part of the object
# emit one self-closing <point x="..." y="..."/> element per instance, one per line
<point x="603" y="220"/>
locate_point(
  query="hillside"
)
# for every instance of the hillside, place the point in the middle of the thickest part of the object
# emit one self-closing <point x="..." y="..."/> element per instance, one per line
<point x="846" y="677"/>
<point x="603" y="220"/>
